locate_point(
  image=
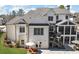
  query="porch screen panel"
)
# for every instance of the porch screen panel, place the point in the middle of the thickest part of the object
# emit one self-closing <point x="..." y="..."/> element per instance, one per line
<point x="73" y="30"/>
<point x="61" y="29"/>
<point x="67" y="30"/>
<point x="67" y="40"/>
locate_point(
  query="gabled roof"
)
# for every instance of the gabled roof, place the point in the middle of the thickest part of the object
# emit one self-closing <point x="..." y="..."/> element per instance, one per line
<point x="42" y="11"/>
<point x="17" y="19"/>
<point x="63" y="21"/>
<point x="37" y="15"/>
<point x="61" y="11"/>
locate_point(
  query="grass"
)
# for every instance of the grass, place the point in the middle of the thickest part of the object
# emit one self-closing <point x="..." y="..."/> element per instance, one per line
<point x="1" y="39"/>
<point x="12" y="51"/>
<point x="7" y="50"/>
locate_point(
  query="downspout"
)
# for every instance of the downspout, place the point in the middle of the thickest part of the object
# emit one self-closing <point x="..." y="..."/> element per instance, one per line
<point x="15" y="33"/>
<point x="28" y="32"/>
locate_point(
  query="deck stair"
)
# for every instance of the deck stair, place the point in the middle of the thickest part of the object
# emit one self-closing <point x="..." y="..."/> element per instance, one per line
<point x="57" y="43"/>
<point x="55" y="36"/>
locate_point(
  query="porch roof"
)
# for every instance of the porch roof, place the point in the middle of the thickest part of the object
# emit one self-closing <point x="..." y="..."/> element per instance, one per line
<point x="63" y="21"/>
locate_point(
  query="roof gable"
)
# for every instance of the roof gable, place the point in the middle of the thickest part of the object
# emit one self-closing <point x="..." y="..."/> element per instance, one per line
<point x="17" y="20"/>
<point x="20" y="21"/>
<point x="66" y="22"/>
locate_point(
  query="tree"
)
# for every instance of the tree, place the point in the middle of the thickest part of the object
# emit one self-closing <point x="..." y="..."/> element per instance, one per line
<point x="62" y="7"/>
<point x="20" y="12"/>
<point x="13" y="13"/>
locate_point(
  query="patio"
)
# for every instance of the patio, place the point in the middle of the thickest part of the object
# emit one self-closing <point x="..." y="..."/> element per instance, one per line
<point x="67" y="50"/>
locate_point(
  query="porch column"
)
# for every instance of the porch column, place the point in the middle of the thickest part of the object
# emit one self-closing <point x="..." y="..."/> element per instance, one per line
<point x="76" y="32"/>
<point x="64" y="36"/>
<point x="63" y="40"/>
<point x="70" y="29"/>
<point x="70" y="35"/>
<point x="57" y="29"/>
<point x="70" y="40"/>
<point x="64" y="30"/>
<point x="57" y="32"/>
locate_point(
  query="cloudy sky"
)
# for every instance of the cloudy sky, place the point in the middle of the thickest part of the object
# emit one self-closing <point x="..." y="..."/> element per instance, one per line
<point x="8" y="8"/>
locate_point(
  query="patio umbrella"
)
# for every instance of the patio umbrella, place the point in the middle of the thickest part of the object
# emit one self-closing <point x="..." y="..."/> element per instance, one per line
<point x="31" y="44"/>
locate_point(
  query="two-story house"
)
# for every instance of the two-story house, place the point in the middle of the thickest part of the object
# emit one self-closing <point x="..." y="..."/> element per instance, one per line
<point x="37" y="26"/>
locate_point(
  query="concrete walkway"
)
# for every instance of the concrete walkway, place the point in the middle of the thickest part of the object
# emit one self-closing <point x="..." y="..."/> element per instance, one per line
<point x="59" y="52"/>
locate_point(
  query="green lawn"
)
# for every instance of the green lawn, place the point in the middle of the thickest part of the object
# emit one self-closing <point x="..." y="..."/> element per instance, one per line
<point x="6" y="50"/>
<point x="12" y="51"/>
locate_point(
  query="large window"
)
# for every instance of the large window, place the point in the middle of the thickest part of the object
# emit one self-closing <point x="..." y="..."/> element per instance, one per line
<point x="67" y="30"/>
<point x="72" y="39"/>
<point x="67" y="40"/>
<point x="50" y="18"/>
<point x="22" y="29"/>
<point x="38" y="31"/>
<point x="61" y="39"/>
<point x="73" y="30"/>
<point x="61" y="29"/>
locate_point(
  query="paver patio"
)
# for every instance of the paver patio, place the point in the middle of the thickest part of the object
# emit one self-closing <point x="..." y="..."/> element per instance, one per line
<point x="68" y="50"/>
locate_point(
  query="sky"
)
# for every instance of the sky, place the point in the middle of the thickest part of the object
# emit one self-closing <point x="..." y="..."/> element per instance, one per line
<point x="6" y="9"/>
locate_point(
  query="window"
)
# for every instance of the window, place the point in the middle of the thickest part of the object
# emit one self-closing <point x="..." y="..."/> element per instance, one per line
<point x="72" y="39"/>
<point x="50" y="18"/>
<point x="57" y="17"/>
<point x="61" y="29"/>
<point x="41" y="31"/>
<point x="73" y="30"/>
<point x="78" y="36"/>
<point x="67" y="40"/>
<point x="22" y="29"/>
<point x="61" y="40"/>
<point x="38" y="31"/>
<point x="66" y="17"/>
<point x="22" y="42"/>
<point x="67" y="30"/>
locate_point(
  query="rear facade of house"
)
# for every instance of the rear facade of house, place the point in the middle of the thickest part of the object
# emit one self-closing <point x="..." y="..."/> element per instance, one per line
<point x="39" y="25"/>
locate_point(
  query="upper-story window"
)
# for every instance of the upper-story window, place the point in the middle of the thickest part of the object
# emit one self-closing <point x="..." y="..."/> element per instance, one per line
<point x="22" y="29"/>
<point x="66" y="17"/>
<point x="50" y="18"/>
<point x="57" y="17"/>
<point x="38" y="31"/>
